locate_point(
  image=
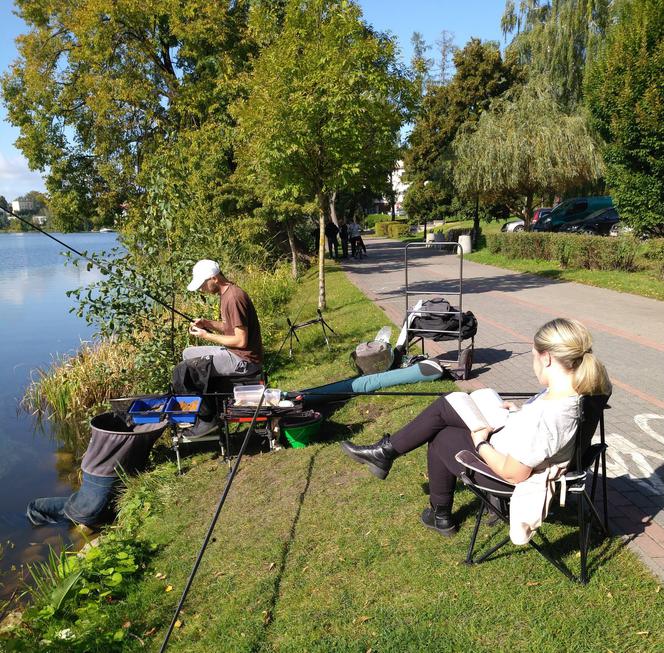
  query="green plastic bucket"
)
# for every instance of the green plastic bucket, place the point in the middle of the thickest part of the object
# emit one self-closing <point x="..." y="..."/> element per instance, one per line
<point x="299" y="430"/>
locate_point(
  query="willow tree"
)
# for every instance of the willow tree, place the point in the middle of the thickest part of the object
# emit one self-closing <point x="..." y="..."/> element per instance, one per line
<point x="325" y="103"/>
<point x="525" y="145"/>
<point x="557" y="38"/>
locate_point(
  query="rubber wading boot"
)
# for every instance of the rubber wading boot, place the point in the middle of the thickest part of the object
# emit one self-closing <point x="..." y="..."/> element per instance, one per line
<point x="377" y="457"/>
<point x="439" y="519"/>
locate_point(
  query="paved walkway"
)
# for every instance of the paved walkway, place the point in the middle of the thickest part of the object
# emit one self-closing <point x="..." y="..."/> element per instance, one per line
<point x="628" y="333"/>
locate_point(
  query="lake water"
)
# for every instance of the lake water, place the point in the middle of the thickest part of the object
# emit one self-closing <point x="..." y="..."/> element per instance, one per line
<point x="35" y="324"/>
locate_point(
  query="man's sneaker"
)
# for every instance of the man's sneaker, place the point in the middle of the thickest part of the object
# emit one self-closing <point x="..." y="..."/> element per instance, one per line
<point x="201" y="429"/>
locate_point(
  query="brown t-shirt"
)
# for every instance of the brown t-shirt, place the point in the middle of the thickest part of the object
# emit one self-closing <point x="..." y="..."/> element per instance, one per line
<point x="237" y="310"/>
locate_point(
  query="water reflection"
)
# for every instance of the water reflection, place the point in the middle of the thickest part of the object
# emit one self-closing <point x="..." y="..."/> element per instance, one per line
<point x="35" y="324"/>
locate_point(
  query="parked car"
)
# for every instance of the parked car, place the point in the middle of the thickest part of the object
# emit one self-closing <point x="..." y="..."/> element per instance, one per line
<point x="598" y="223"/>
<point x="515" y="225"/>
<point x="519" y="225"/>
<point x="572" y="210"/>
<point x="620" y="229"/>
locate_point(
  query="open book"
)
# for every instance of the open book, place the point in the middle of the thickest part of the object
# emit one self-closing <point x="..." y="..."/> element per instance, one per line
<point x="479" y="409"/>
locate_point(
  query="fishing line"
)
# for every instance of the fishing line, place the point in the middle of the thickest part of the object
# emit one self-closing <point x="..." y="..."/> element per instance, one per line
<point x="103" y="266"/>
<point x="213" y="523"/>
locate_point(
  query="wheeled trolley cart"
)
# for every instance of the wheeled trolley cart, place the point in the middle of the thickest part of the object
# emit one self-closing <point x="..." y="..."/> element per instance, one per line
<point x="448" y="315"/>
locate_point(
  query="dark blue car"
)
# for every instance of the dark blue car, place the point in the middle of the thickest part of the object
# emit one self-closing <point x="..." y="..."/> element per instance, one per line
<point x="597" y="223"/>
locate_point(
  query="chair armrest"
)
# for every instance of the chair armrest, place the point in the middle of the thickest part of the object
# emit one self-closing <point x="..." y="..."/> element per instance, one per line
<point x="474" y="463"/>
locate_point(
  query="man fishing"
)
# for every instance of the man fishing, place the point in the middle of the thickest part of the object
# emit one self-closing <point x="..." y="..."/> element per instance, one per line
<point x="235" y="340"/>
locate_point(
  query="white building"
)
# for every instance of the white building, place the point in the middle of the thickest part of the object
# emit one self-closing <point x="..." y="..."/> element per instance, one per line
<point x="383" y="204"/>
<point x="23" y="205"/>
<point x="399" y="187"/>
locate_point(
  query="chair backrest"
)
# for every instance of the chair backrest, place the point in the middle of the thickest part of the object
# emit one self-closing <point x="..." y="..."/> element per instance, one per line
<point x="591" y="408"/>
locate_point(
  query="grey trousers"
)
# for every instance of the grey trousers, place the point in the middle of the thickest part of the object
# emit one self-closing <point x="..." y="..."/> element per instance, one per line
<point x="224" y="362"/>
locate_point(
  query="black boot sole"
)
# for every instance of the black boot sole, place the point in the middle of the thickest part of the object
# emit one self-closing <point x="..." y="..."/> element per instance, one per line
<point x="377" y="471"/>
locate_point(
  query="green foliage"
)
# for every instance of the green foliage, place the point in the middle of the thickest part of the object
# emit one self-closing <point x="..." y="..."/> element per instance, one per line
<point x="371" y="219"/>
<point x="481" y="74"/>
<point x="525" y="145"/>
<point x="98" y="89"/>
<point x="654" y="252"/>
<point x="625" y="96"/>
<point x="452" y="235"/>
<point x="73" y="595"/>
<point x="571" y="250"/>
<point x="381" y="228"/>
<point x="557" y="39"/>
<point x="323" y="109"/>
<point x="397" y="229"/>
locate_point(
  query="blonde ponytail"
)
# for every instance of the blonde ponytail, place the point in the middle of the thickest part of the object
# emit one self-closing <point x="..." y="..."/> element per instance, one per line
<point x="570" y="343"/>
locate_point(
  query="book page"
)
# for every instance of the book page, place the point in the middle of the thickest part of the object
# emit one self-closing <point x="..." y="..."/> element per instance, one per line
<point x="490" y="404"/>
<point x="467" y="410"/>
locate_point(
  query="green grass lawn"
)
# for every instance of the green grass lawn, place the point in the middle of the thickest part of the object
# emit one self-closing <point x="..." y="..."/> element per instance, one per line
<point x="312" y="553"/>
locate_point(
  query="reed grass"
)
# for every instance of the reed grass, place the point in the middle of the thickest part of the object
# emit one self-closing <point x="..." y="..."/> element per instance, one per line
<point x="75" y="386"/>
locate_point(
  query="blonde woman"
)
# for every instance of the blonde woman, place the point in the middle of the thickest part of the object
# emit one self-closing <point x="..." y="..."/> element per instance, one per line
<point x="538" y="435"/>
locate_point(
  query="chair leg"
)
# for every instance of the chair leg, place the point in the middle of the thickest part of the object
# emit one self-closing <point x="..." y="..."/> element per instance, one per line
<point x="584" y="531"/>
<point x="476" y="530"/>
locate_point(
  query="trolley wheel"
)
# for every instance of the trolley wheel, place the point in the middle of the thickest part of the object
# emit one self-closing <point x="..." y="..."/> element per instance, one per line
<point x="466" y="362"/>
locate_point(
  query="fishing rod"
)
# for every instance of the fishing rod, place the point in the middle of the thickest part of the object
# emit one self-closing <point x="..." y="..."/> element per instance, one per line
<point x="213" y="523"/>
<point x="101" y="265"/>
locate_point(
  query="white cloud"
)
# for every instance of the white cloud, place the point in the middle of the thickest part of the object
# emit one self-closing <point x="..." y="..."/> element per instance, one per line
<point x="16" y="178"/>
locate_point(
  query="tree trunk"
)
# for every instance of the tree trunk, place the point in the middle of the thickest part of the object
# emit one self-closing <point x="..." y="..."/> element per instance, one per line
<point x="528" y="209"/>
<point x="476" y="222"/>
<point x="321" y="252"/>
<point x="293" y="248"/>
<point x="333" y="208"/>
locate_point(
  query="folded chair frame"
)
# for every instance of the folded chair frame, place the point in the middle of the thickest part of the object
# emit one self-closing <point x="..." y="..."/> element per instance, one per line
<point x="495" y="493"/>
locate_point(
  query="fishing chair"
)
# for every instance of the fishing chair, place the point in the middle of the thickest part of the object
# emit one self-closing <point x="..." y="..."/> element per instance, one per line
<point x="221" y="389"/>
<point x="495" y="493"/>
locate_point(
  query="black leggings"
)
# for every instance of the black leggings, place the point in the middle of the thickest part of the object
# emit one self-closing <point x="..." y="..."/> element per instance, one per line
<point x="445" y="432"/>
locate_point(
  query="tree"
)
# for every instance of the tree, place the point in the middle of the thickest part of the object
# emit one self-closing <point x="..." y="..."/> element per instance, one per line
<point x="525" y="145"/>
<point x="324" y="106"/>
<point x="101" y="87"/>
<point x="481" y="75"/>
<point x="3" y="203"/>
<point x="556" y="38"/>
<point x="625" y="96"/>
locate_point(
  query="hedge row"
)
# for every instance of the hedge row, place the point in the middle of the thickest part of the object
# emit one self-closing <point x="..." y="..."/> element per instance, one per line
<point x="571" y="250"/>
<point x="653" y="250"/>
<point x="392" y="229"/>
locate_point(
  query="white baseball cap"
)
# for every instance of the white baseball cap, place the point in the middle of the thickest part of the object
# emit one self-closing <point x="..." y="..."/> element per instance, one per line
<point x="203" y="270"/>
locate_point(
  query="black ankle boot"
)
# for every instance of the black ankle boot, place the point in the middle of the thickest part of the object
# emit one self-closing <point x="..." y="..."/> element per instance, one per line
<point x="439" y="519"/>
<point x="377" y="457"/>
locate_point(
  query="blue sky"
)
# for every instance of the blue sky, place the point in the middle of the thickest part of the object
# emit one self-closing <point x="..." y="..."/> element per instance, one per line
<point x="465" y="18"/>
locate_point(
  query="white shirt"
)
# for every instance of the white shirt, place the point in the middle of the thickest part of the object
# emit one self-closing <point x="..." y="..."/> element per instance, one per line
<point x="541" y="433"/>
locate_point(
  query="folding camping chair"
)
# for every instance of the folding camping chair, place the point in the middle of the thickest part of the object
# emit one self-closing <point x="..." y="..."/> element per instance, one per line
<point x="495" y="493"/>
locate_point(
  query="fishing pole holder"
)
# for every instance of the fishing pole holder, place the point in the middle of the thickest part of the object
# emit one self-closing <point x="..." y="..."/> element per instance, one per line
<point x="293" y="328"/>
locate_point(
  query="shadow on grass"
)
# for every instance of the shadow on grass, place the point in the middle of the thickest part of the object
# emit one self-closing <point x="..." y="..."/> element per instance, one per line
<point x="259" y="644"/>
<point x="563" y="549"/>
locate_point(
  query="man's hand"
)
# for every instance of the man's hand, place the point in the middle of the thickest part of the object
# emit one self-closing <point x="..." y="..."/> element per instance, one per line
<point x="196" y="330"/>
<point x="202" y="323"/>
<point x="510" y="405"/>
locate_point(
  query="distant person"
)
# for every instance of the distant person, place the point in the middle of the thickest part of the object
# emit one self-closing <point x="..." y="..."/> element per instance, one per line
<point x="235" y="340"/>
<point x="354" y="236"/>
<point x="356" y="243"/>
<point x="331" y="232"/>
<point x="343" y="235"/>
